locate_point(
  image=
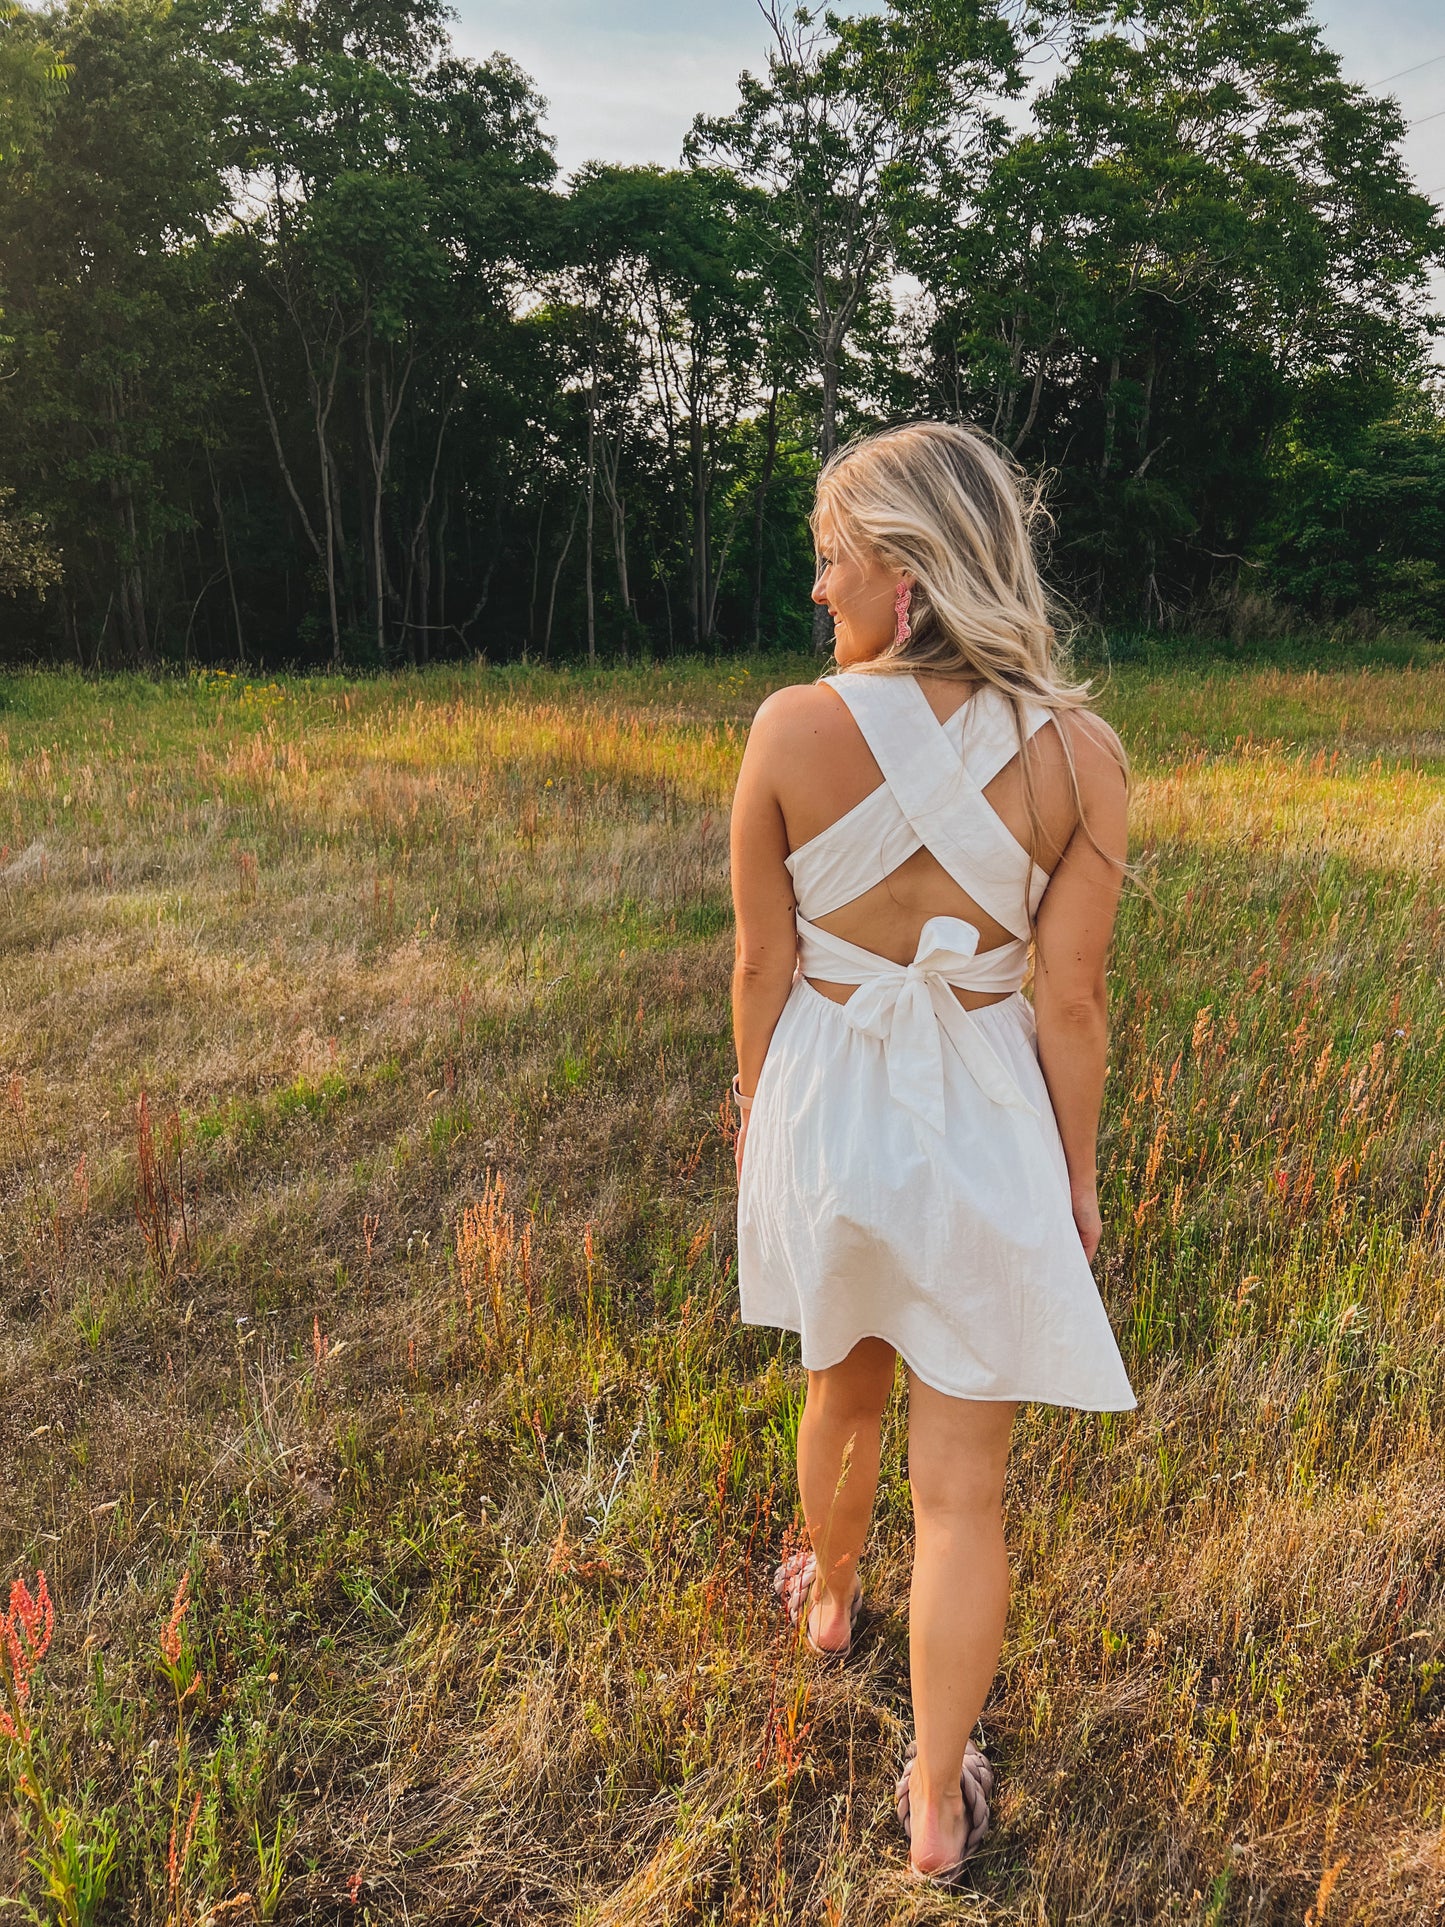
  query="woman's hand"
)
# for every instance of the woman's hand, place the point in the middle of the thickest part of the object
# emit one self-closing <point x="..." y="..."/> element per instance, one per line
<point x="738" y="1147"/>
<point x="1085" y="1202"/>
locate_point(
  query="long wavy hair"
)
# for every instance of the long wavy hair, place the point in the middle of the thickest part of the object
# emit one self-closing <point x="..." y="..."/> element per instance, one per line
<point x="948" y="506"/>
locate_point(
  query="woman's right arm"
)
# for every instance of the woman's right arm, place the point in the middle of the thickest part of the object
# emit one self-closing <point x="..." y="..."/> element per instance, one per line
<point x="1073" y="932"/>
<point x="766" y="943"/>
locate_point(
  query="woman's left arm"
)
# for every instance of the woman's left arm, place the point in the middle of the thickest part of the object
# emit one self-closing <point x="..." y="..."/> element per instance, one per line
<point x="1072" y="938"/>
<point x="766" y="944"/>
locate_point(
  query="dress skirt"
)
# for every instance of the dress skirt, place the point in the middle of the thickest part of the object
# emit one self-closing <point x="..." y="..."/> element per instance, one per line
<point x="959" y="1248"/>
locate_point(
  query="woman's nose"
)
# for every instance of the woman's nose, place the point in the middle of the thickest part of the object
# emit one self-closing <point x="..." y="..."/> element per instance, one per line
<point x="820" y="594"/>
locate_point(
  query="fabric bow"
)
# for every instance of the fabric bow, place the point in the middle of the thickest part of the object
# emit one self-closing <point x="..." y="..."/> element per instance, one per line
<point x="907" y="1008"/>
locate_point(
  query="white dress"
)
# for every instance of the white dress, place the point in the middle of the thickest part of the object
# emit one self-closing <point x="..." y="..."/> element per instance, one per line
<point x="903" y="1176"/>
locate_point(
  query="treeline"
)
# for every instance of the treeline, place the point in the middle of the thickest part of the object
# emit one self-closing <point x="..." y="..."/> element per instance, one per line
<point x="306" y="356"/>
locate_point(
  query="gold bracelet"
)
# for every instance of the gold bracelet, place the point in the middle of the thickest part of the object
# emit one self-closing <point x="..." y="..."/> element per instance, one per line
<point x="744" y="1104"/>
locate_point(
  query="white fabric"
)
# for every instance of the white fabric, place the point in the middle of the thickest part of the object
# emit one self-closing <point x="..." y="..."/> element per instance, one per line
<point x="910" y="1009"/>
<point x="932" y="793"/>
<point x="903" y="1176"/>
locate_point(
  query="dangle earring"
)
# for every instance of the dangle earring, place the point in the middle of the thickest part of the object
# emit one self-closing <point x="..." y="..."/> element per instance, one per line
<point x="902" y="629"/>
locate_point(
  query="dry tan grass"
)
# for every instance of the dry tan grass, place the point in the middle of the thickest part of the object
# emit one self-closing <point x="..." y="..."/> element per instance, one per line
<point x="442" y="1403"/>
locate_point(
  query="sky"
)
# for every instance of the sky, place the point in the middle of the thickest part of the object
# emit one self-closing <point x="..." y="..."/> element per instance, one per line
<point x="624" y="78"/>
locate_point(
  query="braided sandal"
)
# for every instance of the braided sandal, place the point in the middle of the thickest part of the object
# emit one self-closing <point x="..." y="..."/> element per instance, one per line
<point x="976" y="1780"/>
<point x="793" y="1583"/>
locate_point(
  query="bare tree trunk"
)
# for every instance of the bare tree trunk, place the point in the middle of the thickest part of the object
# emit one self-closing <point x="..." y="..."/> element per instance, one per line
<point x="714" y="587"/>
<point x="591" y="517"/>
<point x="72" y="628"/>
<point x="620" y="539"/>
<point x="1145" y="413"/>
<point x="609" y="462"/>
<point x="380" y="448"/>
<point x="226" y="560"/>
<point x="132" y="589"/>
<point x="130" y="579"/>
<point x="828" y="441"/>
<point x="442" y="520"/>
<point x="556" y="574"/>
<point x="1110" y="409"/>
<point x="330" y="543"/>
<point x="276" y="442"/>
<point x="828" y="425"/>
<point x="699" y="516"/>
<point x="536" y="571"/>
<point x="765" y="482"/>
<point x="1034" y="395"/>
<point x="418" y="566"/>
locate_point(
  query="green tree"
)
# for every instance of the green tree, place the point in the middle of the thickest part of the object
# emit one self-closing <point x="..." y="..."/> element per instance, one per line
<point x="393" y="196"/>
<point x="859" y="117"/>
<point x="32" y="78"/>
<point x="106" y="355"/>
<point x="28" y="563"/>
<point x="1357" y="512"/>
<point x="1203" y="221"/>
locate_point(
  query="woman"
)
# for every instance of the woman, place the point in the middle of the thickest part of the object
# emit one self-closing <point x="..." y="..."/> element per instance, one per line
<point x="916" y="1152"/>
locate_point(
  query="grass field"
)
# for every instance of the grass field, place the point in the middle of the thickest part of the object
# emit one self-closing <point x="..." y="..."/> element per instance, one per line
<point x="365" y="1234"/>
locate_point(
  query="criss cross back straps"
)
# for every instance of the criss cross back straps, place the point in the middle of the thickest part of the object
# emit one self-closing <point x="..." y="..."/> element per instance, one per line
<point x="934" y="775"/>
<point x="931" y="797"/>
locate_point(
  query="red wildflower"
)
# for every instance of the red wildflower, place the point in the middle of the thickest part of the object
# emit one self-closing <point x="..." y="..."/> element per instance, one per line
<point x="24" y="1637"/>
<point x="171" y="1633"/>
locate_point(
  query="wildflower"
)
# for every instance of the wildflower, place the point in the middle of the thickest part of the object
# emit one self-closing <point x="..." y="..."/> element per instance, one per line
<point x="24" y="1637"/>
<point x="176" y="1862"/>
<point x="171" y="1633"/>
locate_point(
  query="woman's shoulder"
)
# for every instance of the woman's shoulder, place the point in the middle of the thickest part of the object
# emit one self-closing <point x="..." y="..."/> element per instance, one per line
<point x="799" y="709"/>
<point x="1098" y="754"/>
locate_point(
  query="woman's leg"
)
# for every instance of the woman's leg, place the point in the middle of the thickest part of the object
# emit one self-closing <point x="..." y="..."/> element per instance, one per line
<point x="837" y="1480"/>
<point x="957" y="1452"/>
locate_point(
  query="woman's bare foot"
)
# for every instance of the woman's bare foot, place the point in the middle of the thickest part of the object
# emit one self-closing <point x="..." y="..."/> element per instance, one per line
<point x="944" y="1824"/>
<point x="830" y="1622"/>
<point x="827" y="1622"/>
<point x="938" y="1826"/>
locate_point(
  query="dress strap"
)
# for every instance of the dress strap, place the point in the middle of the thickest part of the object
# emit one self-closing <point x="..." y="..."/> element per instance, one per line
<point x="989" y="738"/>
<point x="944" y="804"/>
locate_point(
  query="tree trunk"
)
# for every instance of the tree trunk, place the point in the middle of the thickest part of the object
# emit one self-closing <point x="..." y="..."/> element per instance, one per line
<point x="1110" y="410"/>
<point x="1148" y="408"/>
<point x="1032" y="416"/>
<point x="423" y="599"/>
<point x="392" y="399"/>
<point x="765" y="481"/>
<point x="619" y="537"/>
<point x="135" y="639"/>
<point x="827" y="442"/>
<point x="828" y="425"/>
<point x="591" y="518"/>
<point x="320" y="413"/>
<point x="226" y="560"/>
<point x="609" y="462"/>
<point x="418" y="564"/>
<point x="556" y="574"/>
<point x="536" y="571"/>
<point x="699" y="519"/>
<point x="442" y="563"/>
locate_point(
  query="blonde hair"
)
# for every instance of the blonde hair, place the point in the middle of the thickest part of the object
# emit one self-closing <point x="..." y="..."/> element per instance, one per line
<point x="943" y="503"/>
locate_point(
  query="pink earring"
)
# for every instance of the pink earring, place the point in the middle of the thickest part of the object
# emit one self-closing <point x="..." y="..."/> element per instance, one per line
<point x="902" y="629"/>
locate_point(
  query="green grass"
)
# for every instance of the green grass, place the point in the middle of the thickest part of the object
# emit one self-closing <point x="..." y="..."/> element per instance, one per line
<point x="413" y="1342"/>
